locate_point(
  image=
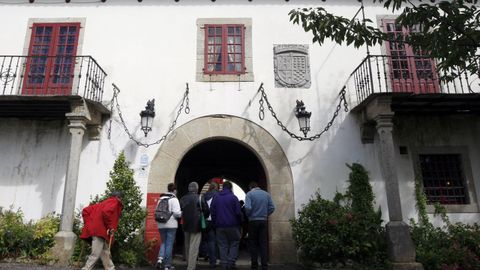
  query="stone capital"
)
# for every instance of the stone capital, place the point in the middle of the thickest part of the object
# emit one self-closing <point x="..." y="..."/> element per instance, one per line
<point x="384" y="122"/>
<point x="77" y="121"/>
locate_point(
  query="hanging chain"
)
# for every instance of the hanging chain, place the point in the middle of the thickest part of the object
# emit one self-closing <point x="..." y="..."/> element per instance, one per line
<point x="261" y="114"/>
<point x="115" y="93"/>
<point x="185" y="104"/>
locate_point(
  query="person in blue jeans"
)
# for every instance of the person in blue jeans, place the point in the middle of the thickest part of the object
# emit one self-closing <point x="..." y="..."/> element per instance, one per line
<point x="258" y="206"/>
<point x="168" y="229"/>
<point x="211" y="235"/>
<point x="227" y="218"/>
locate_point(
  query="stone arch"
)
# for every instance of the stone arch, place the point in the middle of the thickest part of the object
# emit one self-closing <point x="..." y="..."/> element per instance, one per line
<point x="268" y="151"/>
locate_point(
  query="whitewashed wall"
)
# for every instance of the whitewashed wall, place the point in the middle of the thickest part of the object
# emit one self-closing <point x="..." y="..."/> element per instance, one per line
<point x="148" y="50"/>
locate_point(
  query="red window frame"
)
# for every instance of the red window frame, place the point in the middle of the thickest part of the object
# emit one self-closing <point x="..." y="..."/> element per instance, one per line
<point x="51" y="59"/>
<point x="410" y="70"/>
<point x="224" y="49"/>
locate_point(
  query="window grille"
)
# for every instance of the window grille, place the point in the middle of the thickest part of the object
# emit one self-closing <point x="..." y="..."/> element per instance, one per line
<point x="443" y="178"/>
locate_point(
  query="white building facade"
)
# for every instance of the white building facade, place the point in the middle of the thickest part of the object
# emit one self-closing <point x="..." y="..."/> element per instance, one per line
<point x="60" y="137"/>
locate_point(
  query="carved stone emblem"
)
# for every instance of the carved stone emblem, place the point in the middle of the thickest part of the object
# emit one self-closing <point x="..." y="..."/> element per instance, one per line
<point x="292" y="66"/>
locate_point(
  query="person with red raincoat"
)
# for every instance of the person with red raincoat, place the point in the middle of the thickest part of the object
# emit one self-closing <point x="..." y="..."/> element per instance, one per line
<point x="100" y="223"/>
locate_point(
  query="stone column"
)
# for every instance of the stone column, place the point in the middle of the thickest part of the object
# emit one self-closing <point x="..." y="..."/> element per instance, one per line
<point x="65" y="238"/>
<point x="401" y="250"/>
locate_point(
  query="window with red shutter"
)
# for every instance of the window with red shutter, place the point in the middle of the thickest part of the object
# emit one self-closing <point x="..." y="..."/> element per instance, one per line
<point x="224" y="49"/>
<point x="410" y="70"/>
<point x="51" y="59"/>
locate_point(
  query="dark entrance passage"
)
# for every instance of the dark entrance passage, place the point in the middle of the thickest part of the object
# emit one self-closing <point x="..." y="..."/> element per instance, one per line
<point x="218" y="158"/>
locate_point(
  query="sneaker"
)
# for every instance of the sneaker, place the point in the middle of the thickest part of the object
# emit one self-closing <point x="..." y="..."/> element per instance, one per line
<point x="159" y="263"/>
<point x="171" y="267"/>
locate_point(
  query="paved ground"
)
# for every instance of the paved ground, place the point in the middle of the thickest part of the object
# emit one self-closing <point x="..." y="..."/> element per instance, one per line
<point x="201" y="266"/>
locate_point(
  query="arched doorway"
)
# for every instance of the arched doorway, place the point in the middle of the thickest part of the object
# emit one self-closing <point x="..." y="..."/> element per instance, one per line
<point x="219" y="157"/>
<point x="242" y="135"/>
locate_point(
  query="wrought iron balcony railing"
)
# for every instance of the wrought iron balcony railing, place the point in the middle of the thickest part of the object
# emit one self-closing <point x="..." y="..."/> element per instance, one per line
<point x="405" y="74"/>
<point x="51" y="76"/>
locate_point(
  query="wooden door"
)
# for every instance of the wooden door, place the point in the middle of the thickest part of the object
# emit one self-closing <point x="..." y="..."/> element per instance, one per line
<point x="409" y="70"/>
<point x="51" y="59"/>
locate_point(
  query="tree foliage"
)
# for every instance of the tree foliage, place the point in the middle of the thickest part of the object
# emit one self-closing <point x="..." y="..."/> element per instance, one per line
<point x="345" y="231"/>
<point x="449" y="32"/>
<point x="128" y="247"/>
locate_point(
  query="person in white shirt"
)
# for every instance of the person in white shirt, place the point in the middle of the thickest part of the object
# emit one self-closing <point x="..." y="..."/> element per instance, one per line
<point x="168" y="229"/>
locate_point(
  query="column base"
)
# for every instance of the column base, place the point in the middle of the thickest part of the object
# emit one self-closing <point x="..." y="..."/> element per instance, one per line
<point x="401" y="249"/>
<point x="407" y="266"/>
<point x="64" y="247"/>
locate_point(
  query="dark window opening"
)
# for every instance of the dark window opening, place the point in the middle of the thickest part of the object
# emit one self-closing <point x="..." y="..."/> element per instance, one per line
<point x="443" y="178"/>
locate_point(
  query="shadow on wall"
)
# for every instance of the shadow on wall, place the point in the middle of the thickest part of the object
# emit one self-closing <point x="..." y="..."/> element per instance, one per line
<point x="34" y="163"/>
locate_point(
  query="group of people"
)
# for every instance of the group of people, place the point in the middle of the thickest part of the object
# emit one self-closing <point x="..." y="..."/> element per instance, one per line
<point x="219" y="216"/>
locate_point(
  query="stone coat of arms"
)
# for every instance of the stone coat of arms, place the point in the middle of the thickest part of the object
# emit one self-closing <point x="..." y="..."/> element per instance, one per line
<point x="292" y="66"/>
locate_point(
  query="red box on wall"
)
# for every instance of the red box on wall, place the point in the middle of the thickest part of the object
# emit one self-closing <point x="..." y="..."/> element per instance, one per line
<point x="152" y="236"/>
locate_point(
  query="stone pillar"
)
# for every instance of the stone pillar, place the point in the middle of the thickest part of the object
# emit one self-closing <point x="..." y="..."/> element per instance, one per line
<point x="401" y="250"/>
<point x="65" y="238"/>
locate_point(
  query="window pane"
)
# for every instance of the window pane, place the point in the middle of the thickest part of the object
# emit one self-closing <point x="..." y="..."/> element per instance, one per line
<point x="69" y="49"/>
<point x="71" y="39"/>
<point x="39" y="30"/>
<point x="211" y="58"/>
<point x="238" y="48"/>
<point x="211" y="31"/>
<point x="47" y="39"/>
<point x="72" y="30"/>
<point x="60" y="49"/>
<point x="230" y="58"/>
<point x="230" y="40"/>
<point x="230" y="67"/>
<point x="238" y="57"/>
<point x="218" y="40"/>
<point x="210" y="67"/>
<point x="48" y="30"/>
<point x="63" y="30"/>
<point x="211" y="40"/>
<point x="218" y="31"/>
<point x="238" y="67"/>
<point x="231" y="30"/>
<point x="218" y="67"/>
<point x="238" y="30"/>
<point x="218" y="49"/>
<point x="238" y="40"/>
<point x="62" y="40"/>
<point x="210" y="49"/>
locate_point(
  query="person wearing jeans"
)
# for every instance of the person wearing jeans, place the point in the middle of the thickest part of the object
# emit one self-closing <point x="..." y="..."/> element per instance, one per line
<point x="211" y="235"/>
<point x="258" y="206"/>
<point x="227" y="218"/>
<point x="168" y="229"/>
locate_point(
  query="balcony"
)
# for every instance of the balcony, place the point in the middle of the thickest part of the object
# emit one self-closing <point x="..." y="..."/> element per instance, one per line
<point x="49" y="86"/>
<point x="410" y="85"/>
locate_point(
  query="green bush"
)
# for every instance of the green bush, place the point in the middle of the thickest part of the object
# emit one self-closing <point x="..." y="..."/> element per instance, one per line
<point x="452" y="246"/>
<point x="129" y="247"/>
<point x="26" y="240"/>
<point x="345" y="231"/>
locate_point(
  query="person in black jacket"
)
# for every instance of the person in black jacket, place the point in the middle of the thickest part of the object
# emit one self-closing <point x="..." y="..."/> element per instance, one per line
<point x="193" y="206"/>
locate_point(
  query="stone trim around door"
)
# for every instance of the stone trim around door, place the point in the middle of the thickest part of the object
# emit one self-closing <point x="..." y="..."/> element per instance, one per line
<point x="270" y="154"/>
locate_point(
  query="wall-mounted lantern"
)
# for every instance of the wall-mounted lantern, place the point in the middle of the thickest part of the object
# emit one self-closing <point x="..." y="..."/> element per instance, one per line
<point x="303" y="117"/>
<point x="146" y="117"/>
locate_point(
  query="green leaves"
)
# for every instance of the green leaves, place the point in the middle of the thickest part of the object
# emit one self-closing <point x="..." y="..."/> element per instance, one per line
<point x="133" y="214"/>
<point x="337" y="232"/>
<point x="450" y="31"/>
